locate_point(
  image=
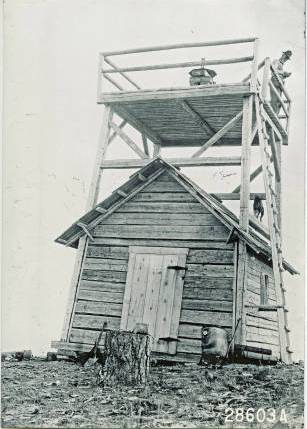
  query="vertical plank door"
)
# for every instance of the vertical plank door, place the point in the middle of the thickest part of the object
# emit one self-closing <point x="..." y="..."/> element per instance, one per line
<point x="153" y="293"/>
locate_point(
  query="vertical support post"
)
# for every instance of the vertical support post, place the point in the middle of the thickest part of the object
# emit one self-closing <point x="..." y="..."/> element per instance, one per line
<point x="157" y="150"/>
<point x="266" y="79"/>
<point x="278" y="184"/>
<point x="244" y="217"/>
<point x="91" y="201"/>
<point x="255" y="66"/>
<point x="145" y="144"/>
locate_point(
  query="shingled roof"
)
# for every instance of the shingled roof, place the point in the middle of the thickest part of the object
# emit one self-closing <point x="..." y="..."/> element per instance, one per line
<point x="255" y="238"/>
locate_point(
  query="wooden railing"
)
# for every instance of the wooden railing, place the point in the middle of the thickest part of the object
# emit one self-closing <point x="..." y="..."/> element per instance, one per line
<point x="108" y="70"/>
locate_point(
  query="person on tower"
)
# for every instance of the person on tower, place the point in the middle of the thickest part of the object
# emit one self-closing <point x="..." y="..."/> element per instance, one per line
<point x="278" y="66"/>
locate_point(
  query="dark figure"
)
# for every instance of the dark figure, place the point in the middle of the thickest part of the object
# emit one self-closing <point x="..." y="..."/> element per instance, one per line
<point x="258" y="208"/>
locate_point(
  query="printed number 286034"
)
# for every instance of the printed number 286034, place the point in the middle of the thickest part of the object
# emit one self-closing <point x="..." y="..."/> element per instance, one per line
<point x="259" y="415"/>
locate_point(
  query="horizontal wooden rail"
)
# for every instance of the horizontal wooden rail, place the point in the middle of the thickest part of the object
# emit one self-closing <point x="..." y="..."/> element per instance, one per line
<point x="235" y="196"/>
<point x="178" y="65"/>
<point x="180" y="162"/>
<point x="180" y="46"/>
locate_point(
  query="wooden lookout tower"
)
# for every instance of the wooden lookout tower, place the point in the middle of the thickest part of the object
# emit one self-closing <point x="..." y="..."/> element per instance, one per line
<point x="162" y="251"/>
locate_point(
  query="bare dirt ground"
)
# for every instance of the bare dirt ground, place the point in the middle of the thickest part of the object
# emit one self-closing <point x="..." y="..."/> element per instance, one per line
<point x="63" y="395"/>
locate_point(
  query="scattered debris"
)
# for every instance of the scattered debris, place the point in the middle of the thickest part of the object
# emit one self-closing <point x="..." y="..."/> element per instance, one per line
<point x="60" y="394"/>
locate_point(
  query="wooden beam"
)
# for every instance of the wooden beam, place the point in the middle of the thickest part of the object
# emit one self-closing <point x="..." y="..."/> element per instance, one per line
<point x="145" y="144"/>
<point x="230" y="124"/>
<point x="137" y="124"/>
<point x="128" y="140"/>
<point x="114" y="83"/>
<point x="275" y="156"/>
<point x="179" y="65"/>
<point x="278" y="178"/>
<point x="157" y="150"/>
<point x="112" y="137"/>
<point x="199" y="120"/>
<point x="252" y="177"/>
<point x="175" y="93"/>
<point x="108" y="61"/>
<point x="180" y="162"/>
<point x="254" y="73"/>
<point x="180" y="46"/>
<point x="266" y="79"/>
<point x="245" y="162"/>
<point x="236" y="196"/>
<point x="244" y="219"/>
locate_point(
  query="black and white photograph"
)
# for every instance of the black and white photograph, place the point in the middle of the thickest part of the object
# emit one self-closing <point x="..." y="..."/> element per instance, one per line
<point x="153" y="228"/>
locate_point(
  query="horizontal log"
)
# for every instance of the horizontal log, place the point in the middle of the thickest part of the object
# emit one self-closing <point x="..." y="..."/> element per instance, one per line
<point x="256" y="321"/>
<point x="208" y="283"/>
<point x="168" y="184"/>
<point x="107" y="276"/>
<point x="211" y="318"/>
<point x="235" y="196"/>
<point x="260" y="345"/>
<point x="178" y="65"/>
<point x="269" y="315"/>
<point x="182" y="196"/>
<point x="102" y="286"/>
<point x="210" y="256"/>
<point x="95" y="321"/>
<point x="162" y="219"/>
<point x="161" y="207"/>
<point x="162" y="231"/>
<point x="101" y="296"/>
<point x="172" y="93"/>
<point x="86" y="336"/>
<point x="101" y="308"/>
<point x="200" y="270"/>
<point x="108" y="252"/>
<point x="179" y="162"/>
<point x="268" y="333"/>
<point x="213" y="243"/>
<point x="205" y="293"/>
<point x="105" y="264"/>
<point x="186" y="345"/>
<point x="206" y="305"/>
<point x="179" y="46"/>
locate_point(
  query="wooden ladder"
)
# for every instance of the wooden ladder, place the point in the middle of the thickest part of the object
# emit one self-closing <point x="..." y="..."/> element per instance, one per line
<point x="275" y="235"/>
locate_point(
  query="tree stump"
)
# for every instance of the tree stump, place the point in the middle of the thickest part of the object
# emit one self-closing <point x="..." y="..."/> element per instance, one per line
<point x="127" y="358"/>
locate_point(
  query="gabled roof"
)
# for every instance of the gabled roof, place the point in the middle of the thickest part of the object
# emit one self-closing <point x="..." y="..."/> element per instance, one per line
<point x="140" y="180"/>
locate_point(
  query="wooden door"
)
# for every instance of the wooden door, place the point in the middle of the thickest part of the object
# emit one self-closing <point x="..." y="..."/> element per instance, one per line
<point x="153" y="293"/>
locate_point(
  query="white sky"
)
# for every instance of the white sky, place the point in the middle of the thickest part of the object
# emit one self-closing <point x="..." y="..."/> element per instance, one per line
<point x="52" y="125"/>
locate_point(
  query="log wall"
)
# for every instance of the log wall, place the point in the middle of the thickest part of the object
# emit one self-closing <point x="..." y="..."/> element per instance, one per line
<point x="261" y="327"/>
<point x="165" y="215"/>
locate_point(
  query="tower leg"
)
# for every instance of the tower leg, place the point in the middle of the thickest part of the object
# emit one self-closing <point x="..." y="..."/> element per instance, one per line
<point x="91" y="201"/>
<point x="244" y="218"/>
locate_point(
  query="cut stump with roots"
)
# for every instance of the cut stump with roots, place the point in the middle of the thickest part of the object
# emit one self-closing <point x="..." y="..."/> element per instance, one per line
<point x="127" y="358"/>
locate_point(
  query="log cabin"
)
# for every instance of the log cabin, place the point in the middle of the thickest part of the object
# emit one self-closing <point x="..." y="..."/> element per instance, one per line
<point x="162" y="251"/>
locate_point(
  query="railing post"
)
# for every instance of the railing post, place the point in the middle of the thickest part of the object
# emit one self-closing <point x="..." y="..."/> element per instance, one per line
<point x="255" y="66"/>
<point x="266" y="79"/>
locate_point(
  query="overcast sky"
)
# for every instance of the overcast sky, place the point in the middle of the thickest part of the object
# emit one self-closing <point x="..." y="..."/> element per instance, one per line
<point x="52" y="123"/>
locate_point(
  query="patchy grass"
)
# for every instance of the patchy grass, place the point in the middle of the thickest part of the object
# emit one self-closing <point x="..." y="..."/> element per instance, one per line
<point x="61" y="394"/>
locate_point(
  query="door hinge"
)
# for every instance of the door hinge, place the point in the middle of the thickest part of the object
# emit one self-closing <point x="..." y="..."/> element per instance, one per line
<point x="176" y="267"/>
